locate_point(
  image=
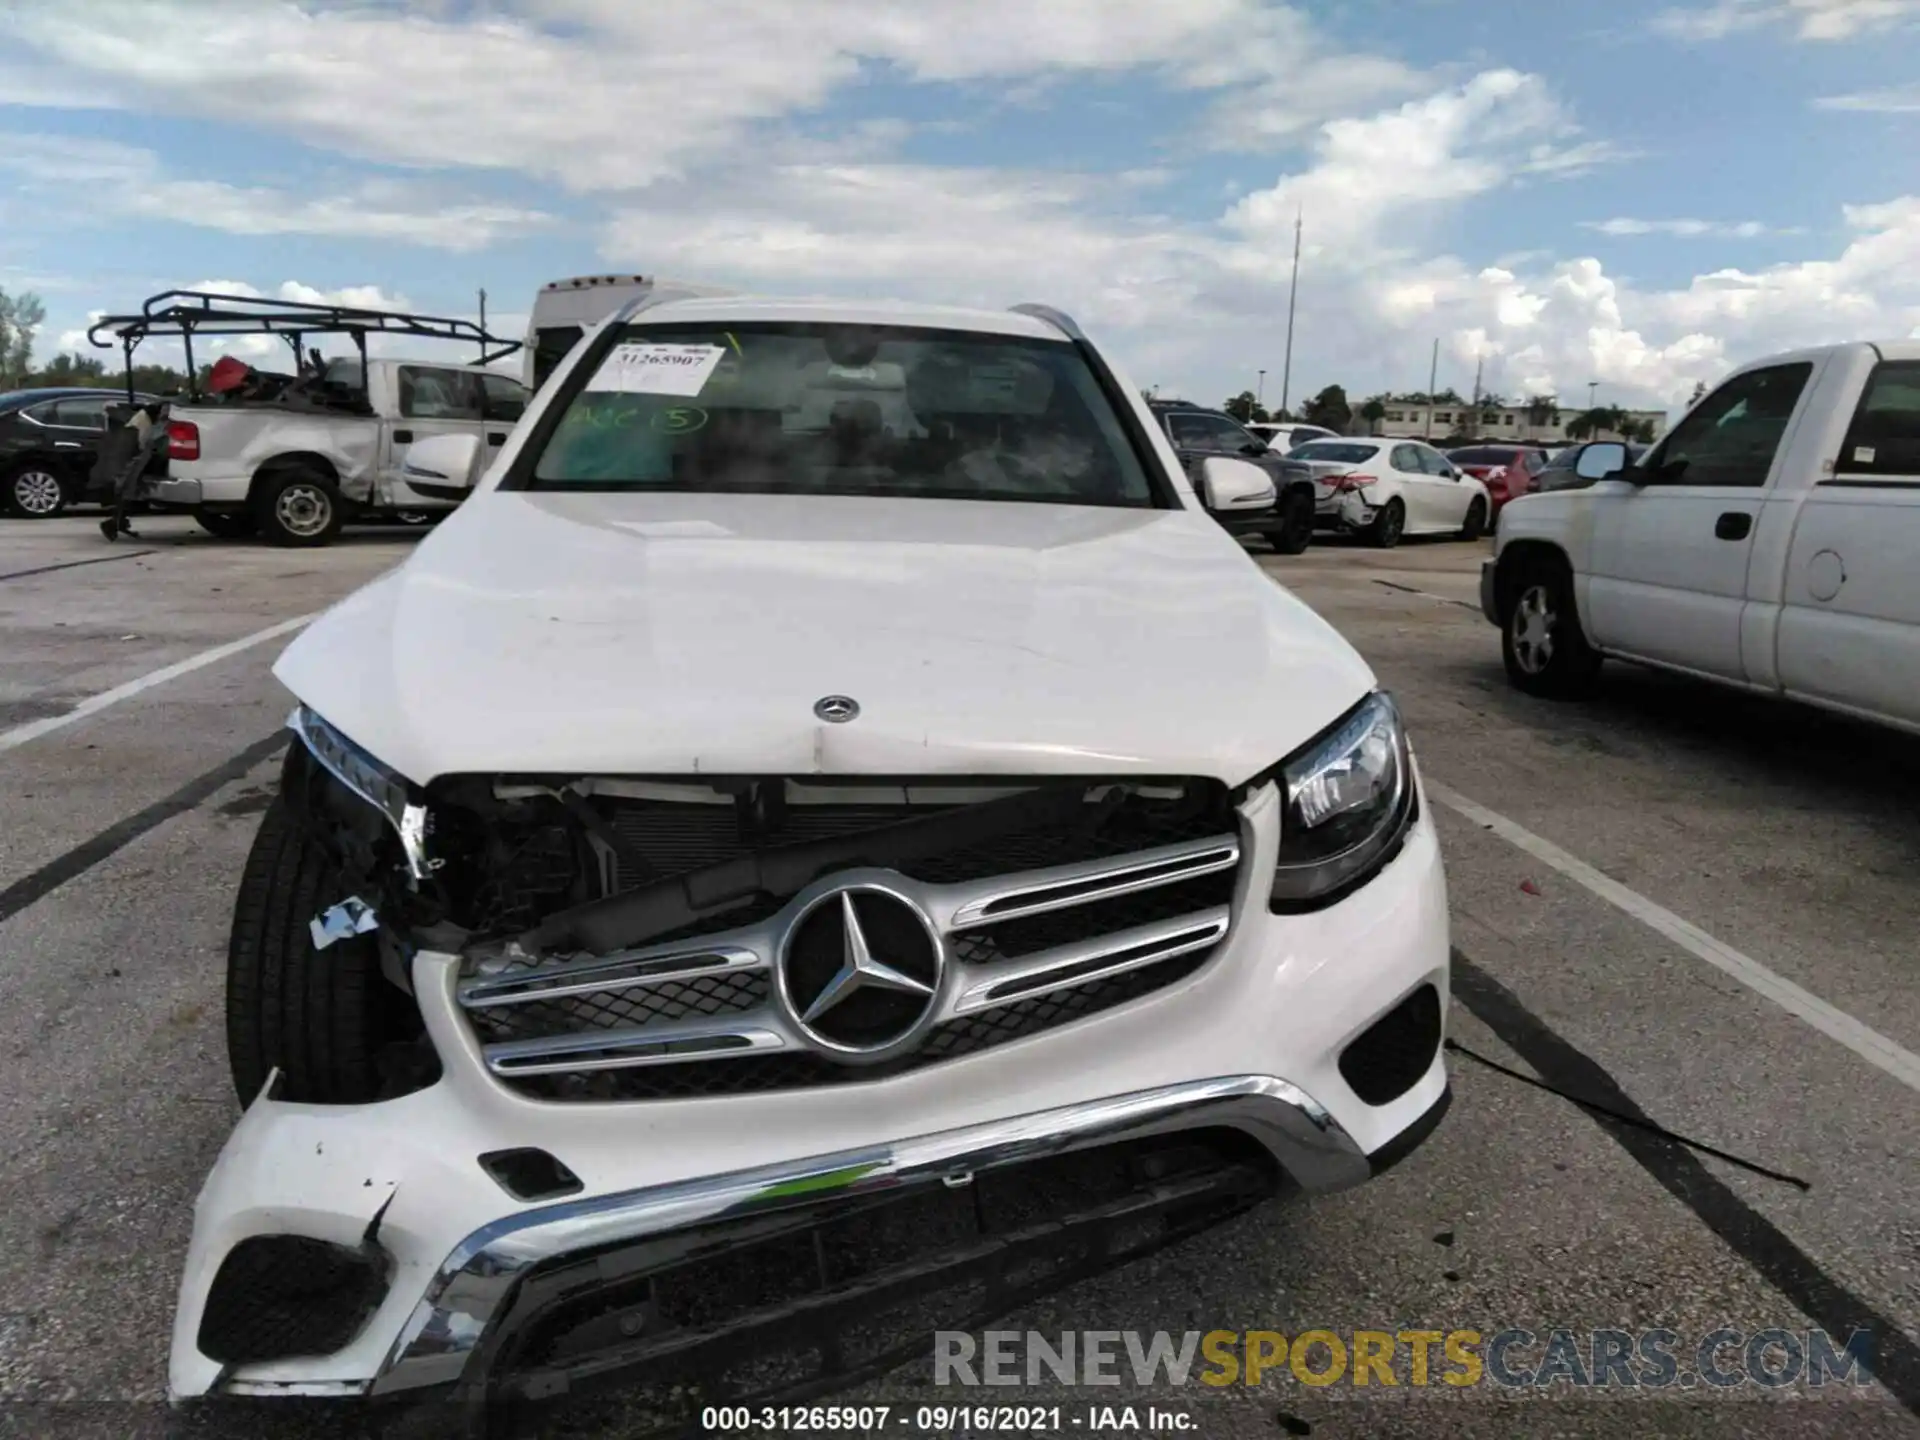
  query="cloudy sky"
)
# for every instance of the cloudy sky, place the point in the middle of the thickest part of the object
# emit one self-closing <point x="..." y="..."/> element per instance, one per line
<point x="1640" y="194"/>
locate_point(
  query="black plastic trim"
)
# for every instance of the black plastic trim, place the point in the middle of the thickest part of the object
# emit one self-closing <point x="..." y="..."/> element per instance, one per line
<point x="1413" y="1137"/>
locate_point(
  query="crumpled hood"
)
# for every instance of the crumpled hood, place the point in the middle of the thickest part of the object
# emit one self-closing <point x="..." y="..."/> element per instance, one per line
<point x="693" y="634"/>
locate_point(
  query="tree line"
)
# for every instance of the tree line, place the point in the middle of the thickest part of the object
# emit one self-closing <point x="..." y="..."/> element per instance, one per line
<point x="1331" y="410"/>
<point x="21" y="317"/>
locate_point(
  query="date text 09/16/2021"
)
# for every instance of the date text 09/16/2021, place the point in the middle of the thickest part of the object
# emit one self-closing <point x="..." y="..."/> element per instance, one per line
<point x="943" y="1419"/>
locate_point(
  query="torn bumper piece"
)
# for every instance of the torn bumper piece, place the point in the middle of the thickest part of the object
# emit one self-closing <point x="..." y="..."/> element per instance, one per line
<point x="542" y="1297"/>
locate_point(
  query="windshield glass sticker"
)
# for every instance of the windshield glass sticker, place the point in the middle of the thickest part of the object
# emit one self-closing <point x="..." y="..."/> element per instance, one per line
<point x="656" y="369"/>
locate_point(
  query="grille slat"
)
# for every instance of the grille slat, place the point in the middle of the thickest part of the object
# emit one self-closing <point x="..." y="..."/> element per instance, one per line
<point x="1041" y="928"/>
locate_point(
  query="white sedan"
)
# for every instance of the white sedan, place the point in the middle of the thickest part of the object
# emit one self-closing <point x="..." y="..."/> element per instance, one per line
<point x="1384" y="489"/>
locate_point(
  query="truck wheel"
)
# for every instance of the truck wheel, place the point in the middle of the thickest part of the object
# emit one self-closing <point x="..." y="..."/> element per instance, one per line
<point x="35" y="493"/>
<point x="1476" y="525"/>
<point x="1296" y="532"/>
<point x="321" y="1016"/>
<point x="1545" y="651"/>
<point x="298" y="507"/>
<point x="1387" y="526"/>
<point x="226" y="524"/>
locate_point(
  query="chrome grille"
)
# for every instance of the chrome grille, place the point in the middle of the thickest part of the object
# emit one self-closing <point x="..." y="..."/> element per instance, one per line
<point x="1099" y="920"/>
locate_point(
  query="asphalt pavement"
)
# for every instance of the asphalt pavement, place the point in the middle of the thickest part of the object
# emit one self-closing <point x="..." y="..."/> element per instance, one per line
<point x="1681" y="912"/>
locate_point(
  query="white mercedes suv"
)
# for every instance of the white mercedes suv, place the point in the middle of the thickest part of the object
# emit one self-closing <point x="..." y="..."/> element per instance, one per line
<point x="829" y="839"/>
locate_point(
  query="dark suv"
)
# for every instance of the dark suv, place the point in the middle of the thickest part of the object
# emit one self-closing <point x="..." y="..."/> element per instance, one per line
<point x="1198" y="433"/>
<point x="49" y="440"/>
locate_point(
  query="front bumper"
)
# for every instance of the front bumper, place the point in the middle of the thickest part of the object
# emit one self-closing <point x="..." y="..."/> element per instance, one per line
<point x="1255" y="520"/>
<point x="1251" y="1043"/>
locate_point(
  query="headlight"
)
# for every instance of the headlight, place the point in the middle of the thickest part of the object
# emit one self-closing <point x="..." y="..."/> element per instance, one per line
<point x="385" y="789"/>
<point x="1348" y="802"/>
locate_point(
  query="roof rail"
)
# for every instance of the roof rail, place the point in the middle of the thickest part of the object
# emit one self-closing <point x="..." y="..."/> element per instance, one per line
<point x="1059" y="319"/>
<point x="187" y="313"/>
<point x="666" y="293"/>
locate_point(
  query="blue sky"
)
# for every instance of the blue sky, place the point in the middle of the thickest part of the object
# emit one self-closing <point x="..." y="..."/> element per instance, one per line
<point x="1642" y="194"/>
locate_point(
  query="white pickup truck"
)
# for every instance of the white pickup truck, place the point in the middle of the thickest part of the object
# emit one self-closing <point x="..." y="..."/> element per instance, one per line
<point x="1771" y="541"/>
<point x="293" y="470"/>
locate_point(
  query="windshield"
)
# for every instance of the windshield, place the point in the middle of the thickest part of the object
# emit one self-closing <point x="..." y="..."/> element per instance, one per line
<point x="842" y="410"/>
<point x="1341" y="452"/>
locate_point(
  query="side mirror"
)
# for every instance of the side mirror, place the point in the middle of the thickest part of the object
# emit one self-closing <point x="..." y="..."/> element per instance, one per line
<point x="443" y="467"/>
<point x="1229" y="484"/>
<point x="1601" y="460"/>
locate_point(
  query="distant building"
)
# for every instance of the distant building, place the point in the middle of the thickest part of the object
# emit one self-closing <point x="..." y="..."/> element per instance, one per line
<point x="1416" y="419"/>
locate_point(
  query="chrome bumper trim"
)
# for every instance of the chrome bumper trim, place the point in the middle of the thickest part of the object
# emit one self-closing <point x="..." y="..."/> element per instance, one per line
<point x="470" y="1290"/>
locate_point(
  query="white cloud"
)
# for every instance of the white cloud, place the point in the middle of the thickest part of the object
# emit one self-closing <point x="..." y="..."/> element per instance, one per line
<point x="1461" y="142"/>
<point x="1688" y="229"/>
<point x="1811" y="19"/>
<point x="611" y="95"/>
<point x="1896" y="100"/>
<point x="106" y="177"/>
<point x="1199" y="306"/>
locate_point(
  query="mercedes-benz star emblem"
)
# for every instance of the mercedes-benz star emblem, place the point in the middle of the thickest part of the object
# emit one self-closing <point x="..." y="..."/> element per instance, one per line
<point x="859" y="970"/>
<point x="836" y="709"/>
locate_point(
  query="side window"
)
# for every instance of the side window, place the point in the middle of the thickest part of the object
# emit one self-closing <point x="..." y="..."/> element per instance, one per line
<point x="1406" y="458"/>
<point x="83" y="413"/>
<point x="506" y="398"/>
<point x="1192" y="432"/>
<point x="41" y="414"/>
<point x="1233" y="438"/>
<point x="1731" y="436"/>
<point x="1431" y="462"/>
<point x="1884" y="438"/>
<point x="429" y="393"/>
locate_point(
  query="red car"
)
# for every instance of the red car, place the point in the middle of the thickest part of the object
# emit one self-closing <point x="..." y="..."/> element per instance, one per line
<point x="1506" y="470"/>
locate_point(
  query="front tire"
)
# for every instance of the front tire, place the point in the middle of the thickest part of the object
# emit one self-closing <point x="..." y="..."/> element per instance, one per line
<point x="1388" y="526"/>
<point x="35" y="493"/>
<point x="1296" y="529"/>
<point x="1476" y="522"/>
<point x="1541" y="643"/>
<point x="319" y="1016"/>
<point x="298" y="507"/>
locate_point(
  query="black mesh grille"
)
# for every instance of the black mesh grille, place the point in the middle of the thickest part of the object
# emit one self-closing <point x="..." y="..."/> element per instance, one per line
<point x="613" y="1009"/>
<point x="658" y="839"/>
<point x="280" y="1296"/>
<point x="755" y="1308"/>
<point x="757" y="1074"/>
<point x="1389" y="1056"/>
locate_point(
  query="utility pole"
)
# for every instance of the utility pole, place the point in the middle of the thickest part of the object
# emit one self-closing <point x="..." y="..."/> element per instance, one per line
<point x="1592" y="385"/>
<point x="483" y="320"/>
<point x="1293" y="294"/>
<point x="1260" y="393"/>
<point x="1472" y="431"/>
<point x="1433" y="379"/>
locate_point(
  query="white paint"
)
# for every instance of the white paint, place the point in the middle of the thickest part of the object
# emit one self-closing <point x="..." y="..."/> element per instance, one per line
<point x="1871" y="1046"/>
<point x="94" y="704"/>
<point x="678" y="633"/>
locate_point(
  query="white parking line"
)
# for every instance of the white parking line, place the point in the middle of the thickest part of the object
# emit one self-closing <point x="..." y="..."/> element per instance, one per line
<point x="94" y="704"/>
<point x="1869" y="1044"/>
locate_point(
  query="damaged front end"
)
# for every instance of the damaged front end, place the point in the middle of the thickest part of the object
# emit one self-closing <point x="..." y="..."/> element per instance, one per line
<point x="574" y="959"/>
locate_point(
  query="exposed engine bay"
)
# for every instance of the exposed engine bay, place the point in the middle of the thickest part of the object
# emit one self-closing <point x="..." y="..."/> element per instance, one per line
<point x="525" y="872"/>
